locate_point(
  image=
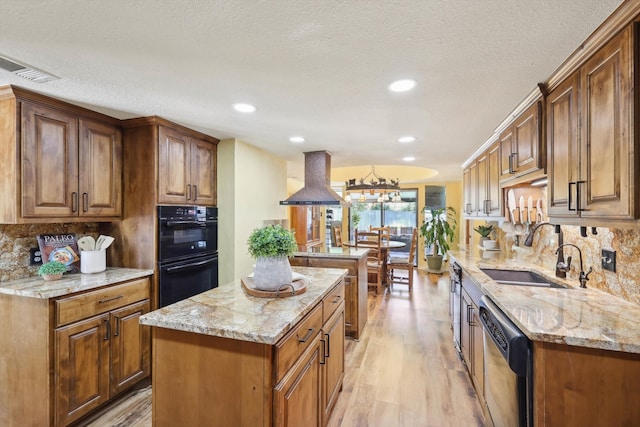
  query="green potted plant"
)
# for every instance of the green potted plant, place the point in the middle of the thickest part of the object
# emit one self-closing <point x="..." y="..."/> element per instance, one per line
<point x="485" y="231"/>
<point x="52" y="270"/>
<point x="439" y="232"/>
<point x="271" y="246"/>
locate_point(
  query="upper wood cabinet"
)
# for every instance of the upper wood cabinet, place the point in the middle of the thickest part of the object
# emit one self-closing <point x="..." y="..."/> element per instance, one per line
<point x="521" y="145"/>
<point x="186" y="169"/>
<point x="590" y="134"/>
<point x="169" y="164"/>
<point x="61" y="162"/>
<point x="481" y="180"/>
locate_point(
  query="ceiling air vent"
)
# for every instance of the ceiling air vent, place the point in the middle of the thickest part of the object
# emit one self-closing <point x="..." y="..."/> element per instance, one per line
<point x="25" y="71"/>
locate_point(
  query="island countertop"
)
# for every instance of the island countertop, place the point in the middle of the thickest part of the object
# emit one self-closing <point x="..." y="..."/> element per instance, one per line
<point x="574" y="316"/>
<point x="228" y="312"/>
<point x="36" y="287"/>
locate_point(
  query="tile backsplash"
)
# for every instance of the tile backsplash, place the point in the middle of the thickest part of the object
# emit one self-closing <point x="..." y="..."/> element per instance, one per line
<point x="16" y="240"/>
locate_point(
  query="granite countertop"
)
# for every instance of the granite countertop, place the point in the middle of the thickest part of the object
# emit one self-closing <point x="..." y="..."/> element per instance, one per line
<point x="227" y="311"/>
<point x="574" y="316"/>
<point x="36" y="287"/>
<point x="337" y="252"/>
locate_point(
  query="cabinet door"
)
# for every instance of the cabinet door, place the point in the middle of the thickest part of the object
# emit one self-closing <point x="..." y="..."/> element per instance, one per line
<point x="466" y="184"/>
<point x="477" y="364"/>
<point x="526" y="141"/>
<point x="81" y="368"/>
<point x="297" y="398"/>
<point x="465" y="328"/>
<point x="130" y="346"/>
<point x="333" y="368"/>
<point x="507" y="168"/>
<point x="100" y="168"/>
<point x="473" y="189"/>
<point x="483" y="183"/>
<point x="605" y="137"/>
<point x="49" y="162"/>
<point x="203" y="173"/>
<point x="494" y="195"/>
<point x="562" y="144"/>
<point x="174" y="160"/>
<point x="351" y="303"/>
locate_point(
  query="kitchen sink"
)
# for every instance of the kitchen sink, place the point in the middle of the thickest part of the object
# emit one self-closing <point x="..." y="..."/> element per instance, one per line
<point x="520" y="278"/>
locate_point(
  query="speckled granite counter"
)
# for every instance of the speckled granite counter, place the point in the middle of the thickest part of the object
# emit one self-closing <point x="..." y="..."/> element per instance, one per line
<point x="227" y="311"/>
<point x="324" y="252"/>
<point x="36" y="287"/>
<point x="574" y="316"/>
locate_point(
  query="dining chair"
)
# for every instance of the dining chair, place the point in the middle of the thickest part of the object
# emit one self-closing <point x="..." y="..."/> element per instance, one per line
<point x="396" y="264"/>
<point x="375" y="263"/>
<point x="337" y="235"/>
<point x="385" y="231"/>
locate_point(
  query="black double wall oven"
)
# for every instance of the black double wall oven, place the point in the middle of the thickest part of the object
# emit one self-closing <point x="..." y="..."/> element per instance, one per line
<point x="187" y="251"/>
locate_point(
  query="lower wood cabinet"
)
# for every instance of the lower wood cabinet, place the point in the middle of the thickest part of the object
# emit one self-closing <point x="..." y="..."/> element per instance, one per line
<point x="63" y="357"/>
<point x="471" y="335"/>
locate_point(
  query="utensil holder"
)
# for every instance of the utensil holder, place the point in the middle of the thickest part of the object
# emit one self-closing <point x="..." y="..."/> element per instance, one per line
<point x="93" y="261"/>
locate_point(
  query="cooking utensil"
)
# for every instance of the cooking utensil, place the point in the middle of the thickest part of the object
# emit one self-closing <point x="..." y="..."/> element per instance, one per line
<point x="530" y="209"/>
<point x="104" y="242"/>
<point x="521" y="208"/>
<point x="511" y="204"/>
<point x="539" y="210"/>
<point x="87" y="243"/>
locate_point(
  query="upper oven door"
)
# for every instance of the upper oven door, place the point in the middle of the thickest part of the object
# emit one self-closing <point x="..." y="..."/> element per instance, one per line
<point x="181" y="238"/>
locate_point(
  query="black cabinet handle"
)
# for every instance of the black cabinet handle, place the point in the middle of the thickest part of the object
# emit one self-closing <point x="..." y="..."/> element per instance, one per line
<point x="195" y="193"/>
<point x="328" y="351"/>
<point x="578" y="198"/>
<point x="108" y="331"/>
<point x="74" y="202"/>
<point x="307" y="336"/>
<point x="106" y="300"/>
<point x="117" y="327"/>
<point x="569" y="196"/>
<point x="85" y="202"/>
<point x="323" y="360"/>
<point x="188" y="191"/>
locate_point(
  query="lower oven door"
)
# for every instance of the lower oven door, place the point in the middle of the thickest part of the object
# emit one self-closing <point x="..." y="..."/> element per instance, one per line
<point x="183" y="279"/>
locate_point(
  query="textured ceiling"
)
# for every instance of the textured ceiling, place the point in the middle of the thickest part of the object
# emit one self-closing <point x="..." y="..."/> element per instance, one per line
<point x="313" y="68"/>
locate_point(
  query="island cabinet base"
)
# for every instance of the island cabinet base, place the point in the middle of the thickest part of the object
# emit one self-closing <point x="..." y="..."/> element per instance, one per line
<point x="201" y="380"/>
<point x="577" y="386"/>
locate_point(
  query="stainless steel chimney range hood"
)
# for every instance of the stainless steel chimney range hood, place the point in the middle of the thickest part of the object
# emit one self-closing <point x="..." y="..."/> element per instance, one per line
<point x="317" y="183"/>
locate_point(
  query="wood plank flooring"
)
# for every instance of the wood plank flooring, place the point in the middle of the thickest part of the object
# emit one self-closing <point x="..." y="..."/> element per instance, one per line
<point x="404" y="371"/>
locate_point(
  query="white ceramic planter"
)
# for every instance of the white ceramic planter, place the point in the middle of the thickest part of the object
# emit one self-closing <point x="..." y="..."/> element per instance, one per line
<point x="271" y="273"/>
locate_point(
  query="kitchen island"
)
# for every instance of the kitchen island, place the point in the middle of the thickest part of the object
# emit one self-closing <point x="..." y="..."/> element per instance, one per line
<point x="355" y="283"/>
<point x="585" y="344"/>
<point x="225" y="358"/>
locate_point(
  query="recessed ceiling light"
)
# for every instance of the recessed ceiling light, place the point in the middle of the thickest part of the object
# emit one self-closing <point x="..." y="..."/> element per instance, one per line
<point x="296" y="139"/>
<point x="244" y="108"/>
<point x="406" y="139"/>
<point x="408" y="159"/>
<point x="402" y="85"/>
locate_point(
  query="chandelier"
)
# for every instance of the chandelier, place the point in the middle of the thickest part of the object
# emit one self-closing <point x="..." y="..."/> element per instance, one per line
<point x="376" y="184"/>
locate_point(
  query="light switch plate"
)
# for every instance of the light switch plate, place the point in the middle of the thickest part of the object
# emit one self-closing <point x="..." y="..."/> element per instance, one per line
<point x="609" y="260"/>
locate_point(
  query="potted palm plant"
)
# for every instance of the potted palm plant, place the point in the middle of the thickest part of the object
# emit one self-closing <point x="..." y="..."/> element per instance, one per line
<point x="438" y="232"/>
<point x="484" y="231"/>
<point x="271" y="246"/>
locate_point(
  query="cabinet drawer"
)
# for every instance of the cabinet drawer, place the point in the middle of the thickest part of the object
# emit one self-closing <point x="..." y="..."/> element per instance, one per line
<point x="332" y="301"/>
<point x="289" y="348"/>
<point x="94" y="302"/>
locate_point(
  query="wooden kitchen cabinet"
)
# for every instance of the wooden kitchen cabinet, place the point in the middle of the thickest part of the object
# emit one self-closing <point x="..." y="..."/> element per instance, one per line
<point x="521" y="148"/>
<point x="71" y="354"/>
<point x="481" y="181"/>
<point x="591" y="149"/>
<point x="471" y="335"/>
<point x="64" y="162"/>
<point x="306" y="223"/>
<point x="355" y="286"/>
<point x="186" y="168"/>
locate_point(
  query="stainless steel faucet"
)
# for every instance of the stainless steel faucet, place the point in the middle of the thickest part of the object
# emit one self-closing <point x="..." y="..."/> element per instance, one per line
<point x="560" y="273"/>
<point x="583" y="277"/>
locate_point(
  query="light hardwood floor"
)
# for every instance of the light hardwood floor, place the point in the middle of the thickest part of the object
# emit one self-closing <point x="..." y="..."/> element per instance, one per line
<point x="404" y="371"/>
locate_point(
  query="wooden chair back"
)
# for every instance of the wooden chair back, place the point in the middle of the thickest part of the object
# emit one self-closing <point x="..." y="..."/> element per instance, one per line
<point x="337" y="235"/>
<point x="403" y="264"/>
<point x="375" y="264"/>
<point x="385" y="231"/>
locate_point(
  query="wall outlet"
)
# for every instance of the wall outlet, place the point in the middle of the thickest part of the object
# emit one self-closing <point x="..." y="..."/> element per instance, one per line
<point x="608" y="260"/>
<point x="35" y="257"/>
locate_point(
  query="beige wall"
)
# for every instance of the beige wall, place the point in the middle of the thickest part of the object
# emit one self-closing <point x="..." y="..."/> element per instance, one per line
<point x="251" y="182"/>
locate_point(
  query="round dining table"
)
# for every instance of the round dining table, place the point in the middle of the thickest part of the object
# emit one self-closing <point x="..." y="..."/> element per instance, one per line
<point x="385" y="246"/>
